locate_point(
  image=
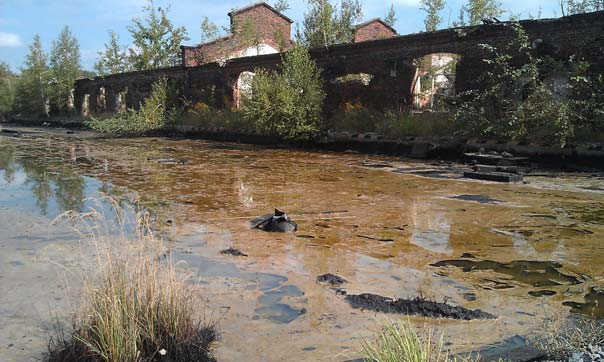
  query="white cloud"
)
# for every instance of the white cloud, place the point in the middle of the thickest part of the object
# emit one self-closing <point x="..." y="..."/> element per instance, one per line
<point x="10" y="40"/>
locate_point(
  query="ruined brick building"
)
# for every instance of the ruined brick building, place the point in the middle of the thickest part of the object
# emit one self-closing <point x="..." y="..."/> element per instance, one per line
<point x="379" y="69"/>
<point x="257" y="29"/>
<point x="260" y="29"/>
<point x="373" y="29"/>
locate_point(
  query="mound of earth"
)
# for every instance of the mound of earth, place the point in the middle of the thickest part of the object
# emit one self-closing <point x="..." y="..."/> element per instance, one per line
<point x="416" y="306"/>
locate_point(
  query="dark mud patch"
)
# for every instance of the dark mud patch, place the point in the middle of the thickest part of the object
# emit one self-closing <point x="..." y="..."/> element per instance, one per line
<point x="233" y="252"/>
<point x="477" y="198"/>
<point x="535" y="273"/>
<point x="416" y="306"/>
<point x="305" y="236"/>
<point x="383" y="240"/>
<point x="331" y="279"/>
<point x="593" y="305"/>
<point x="542" y="293"/>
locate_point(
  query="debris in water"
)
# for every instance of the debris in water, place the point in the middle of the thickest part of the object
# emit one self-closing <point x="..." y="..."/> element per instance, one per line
<point x="233" y="252"/>
<point x="416" y="306"/>
<point x="279" y="222"/>
<point x="331" y="279"/>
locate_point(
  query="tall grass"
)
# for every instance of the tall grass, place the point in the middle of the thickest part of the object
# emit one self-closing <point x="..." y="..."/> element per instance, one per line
<point x="138" y="308"/>
<point x="393" y="124"/>
<point x="399" y="342"/>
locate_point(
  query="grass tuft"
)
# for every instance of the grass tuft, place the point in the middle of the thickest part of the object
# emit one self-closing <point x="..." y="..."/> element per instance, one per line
<point x="399" y="342"/>
<point x="138" y="307"/>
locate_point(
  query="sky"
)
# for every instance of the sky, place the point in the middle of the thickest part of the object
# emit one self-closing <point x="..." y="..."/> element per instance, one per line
<point x="90" y="20"/>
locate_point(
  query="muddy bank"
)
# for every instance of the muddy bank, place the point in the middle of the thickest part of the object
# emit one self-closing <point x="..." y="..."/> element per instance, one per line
<point x="271" y="306"/>
<point x="416" y="306"/>
<point x="585" y="157"/>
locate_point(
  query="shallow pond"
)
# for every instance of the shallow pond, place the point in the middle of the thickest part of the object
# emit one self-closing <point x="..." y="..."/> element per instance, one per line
<point x="520" y="252"/>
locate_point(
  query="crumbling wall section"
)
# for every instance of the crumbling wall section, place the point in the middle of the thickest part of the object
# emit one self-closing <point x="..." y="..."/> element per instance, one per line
<point x="389" y="61"/>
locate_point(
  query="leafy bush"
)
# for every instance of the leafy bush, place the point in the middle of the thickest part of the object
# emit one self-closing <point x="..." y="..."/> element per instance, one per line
<point x="156" y="113"/>
<point x="516" y="102"/>
<point x="288" y="103"/>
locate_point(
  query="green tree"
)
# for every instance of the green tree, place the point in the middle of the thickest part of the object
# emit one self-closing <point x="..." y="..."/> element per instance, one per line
<point x="65" y="69"/>
<point x="432" y="9"/>
<point x="477" y="10"/>
<point x="288" y="103"/>
<point x="156" y="41"/>
<point x="390" y="18"/>
<point x="113" y="59"/>
<point x="209" y="30"/>
<point x="281" y="5"/>
<point x="515" y="97"/>
<point x="325" y="24"/>
<point x="31" y="93"/>
<point x="580" y="6"/>
<point x="7" y="89"/>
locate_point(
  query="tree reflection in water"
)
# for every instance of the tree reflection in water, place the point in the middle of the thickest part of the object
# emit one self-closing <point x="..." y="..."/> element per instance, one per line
<point x="48" y="179"/>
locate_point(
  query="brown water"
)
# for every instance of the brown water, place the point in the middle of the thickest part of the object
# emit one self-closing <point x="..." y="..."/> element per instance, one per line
<point x="521" y="252"/>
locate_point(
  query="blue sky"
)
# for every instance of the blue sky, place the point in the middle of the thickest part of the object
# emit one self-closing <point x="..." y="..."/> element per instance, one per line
<point x="90" y="20"/>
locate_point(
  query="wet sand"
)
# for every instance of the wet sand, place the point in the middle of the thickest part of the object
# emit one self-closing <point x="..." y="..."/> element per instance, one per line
<point x="384" y="232"/>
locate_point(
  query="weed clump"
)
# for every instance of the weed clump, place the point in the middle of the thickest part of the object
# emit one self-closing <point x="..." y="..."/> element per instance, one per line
<point x="399" y="342"/>
<point x="155" y="114"/>
<point x="138" y="307"/>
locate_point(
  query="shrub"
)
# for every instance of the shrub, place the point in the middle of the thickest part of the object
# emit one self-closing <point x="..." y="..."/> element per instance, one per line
<point x="288" y="103"/>
<point x="138" y="308"/>
<point x="156" y="113"/>
<point x="515" y="102"/>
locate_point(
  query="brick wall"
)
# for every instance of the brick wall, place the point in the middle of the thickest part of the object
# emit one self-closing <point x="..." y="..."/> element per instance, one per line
<point x="373" y="30"/>
<point x="389" y="61"/>
<point x="270" y="27"/>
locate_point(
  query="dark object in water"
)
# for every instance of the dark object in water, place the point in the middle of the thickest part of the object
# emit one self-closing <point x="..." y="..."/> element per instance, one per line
<point x="279" y="222"/>
<point x="541" y="293"/>
<point x="416" y="306"/>
<point x="233" y="252"/>
<point x="331" y="279"/>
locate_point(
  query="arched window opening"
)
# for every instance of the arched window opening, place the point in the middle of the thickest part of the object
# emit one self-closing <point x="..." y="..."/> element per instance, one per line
<point x="434" y="82"/>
